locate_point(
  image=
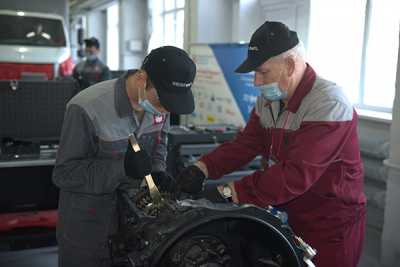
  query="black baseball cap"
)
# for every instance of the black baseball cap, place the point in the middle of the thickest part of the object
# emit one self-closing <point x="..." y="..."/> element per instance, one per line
<point x="172" y="72"/>
<point x="269" y="40"/>
<point x="92" y="41"/>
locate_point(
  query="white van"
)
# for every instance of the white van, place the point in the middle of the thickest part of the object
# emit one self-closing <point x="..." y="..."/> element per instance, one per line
<point x="33" y="44"/>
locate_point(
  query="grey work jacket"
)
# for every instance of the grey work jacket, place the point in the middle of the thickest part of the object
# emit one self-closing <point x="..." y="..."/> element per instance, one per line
<point x="88" y="73"/>
<point x="89" y="165"/>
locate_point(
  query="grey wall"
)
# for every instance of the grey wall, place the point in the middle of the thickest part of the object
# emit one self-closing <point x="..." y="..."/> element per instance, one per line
<point x="209" y="21"/>
<point x="252" y="13"/>
<point x="221" y="21"/>
<point x="133" y="27"/>
<point x="51" y="6"/>
<point x="97" y="27"/>
<point x="374" y="136"/>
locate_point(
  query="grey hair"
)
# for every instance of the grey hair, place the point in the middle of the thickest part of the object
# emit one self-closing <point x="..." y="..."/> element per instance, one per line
<point x="296" y="52"/>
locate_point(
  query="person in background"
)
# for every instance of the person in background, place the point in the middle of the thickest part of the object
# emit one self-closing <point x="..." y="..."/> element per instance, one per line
<point x="92" y="70"/>
<point x="94" y="160"/>
<point x="307" y="129"/>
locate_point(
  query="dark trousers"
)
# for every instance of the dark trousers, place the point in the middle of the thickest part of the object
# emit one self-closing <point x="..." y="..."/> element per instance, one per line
<point x="344" y="251"/>
<point x="71" y="256"/>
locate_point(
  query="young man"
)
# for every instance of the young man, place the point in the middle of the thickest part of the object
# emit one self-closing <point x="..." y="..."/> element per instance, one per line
<point x="92" y="70"/>
<point x="307" y="129"/>
<point x="91" y="162"/>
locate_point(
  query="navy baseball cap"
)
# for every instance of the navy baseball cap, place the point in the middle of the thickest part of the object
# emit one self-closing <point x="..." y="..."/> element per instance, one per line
<point x="92" y="42"/>
<point x="172" y="72"/>
<point x="269" y="40"/>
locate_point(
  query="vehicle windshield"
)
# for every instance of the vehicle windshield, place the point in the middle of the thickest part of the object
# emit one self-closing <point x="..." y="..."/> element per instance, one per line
<point x="23" y="30"/>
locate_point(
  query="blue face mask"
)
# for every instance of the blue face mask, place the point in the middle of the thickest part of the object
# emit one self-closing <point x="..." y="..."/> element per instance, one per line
<point x="272" y="92"/>
<point x="91" y="57"/>
<point x="148" y="107"/>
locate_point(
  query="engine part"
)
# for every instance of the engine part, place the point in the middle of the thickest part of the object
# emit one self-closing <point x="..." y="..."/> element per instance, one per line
<point x="192" y="233"/>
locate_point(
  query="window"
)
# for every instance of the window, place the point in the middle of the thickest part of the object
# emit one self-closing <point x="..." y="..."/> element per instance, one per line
<point x="167" y="23"/>
<point x="112" y="37"/>
<point x="35" y="31"/>
<point x="381" y="53"/>
<point x="357" y="50"/>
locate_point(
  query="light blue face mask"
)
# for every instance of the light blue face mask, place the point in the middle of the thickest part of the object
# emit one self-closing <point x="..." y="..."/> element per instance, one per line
<point x="272" y="92"/>
<point x="148" y="107"/>
<point x="91" y="57"/>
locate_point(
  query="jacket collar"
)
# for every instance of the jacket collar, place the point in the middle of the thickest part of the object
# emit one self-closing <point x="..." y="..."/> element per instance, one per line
<point x="302" y="89"/>
<point x="122" y="104"/>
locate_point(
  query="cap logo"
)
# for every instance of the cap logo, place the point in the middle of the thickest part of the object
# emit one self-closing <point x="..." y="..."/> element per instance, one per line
<point x="253" y="48"/>
<point x="179" y="84"/>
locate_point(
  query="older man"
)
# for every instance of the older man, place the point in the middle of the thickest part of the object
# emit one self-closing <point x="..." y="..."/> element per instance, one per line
<point x="307" y="130"/>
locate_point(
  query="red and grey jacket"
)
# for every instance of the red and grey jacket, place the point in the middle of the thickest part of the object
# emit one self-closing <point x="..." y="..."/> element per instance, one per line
<point x="318" y="175"/>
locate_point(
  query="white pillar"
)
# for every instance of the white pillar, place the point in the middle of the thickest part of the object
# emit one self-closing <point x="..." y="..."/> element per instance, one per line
<point x="390" y="253"/>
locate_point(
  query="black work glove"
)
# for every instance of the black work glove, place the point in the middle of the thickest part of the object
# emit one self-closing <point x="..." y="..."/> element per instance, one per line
<point x="212" y="193"/>
<point x="165" y="182"/>
<point x="191" y="180"/>
<point x="136" y="164"/>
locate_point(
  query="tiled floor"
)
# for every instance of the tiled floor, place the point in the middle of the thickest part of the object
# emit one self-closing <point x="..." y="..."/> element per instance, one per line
<point x="41" y="257"/>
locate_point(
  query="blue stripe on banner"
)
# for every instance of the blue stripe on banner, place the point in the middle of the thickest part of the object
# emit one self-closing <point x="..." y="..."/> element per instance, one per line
<point x="229" y="57"/>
